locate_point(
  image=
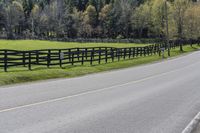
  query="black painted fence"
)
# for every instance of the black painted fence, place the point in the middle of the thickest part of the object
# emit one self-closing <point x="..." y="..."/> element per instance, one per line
<point x="74" y="56"/>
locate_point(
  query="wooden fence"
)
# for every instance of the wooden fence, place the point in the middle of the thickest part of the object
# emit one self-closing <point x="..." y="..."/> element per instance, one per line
<point x="74" y="56"/>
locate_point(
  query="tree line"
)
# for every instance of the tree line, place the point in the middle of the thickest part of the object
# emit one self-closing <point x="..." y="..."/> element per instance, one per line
<point x="37" y="19"/>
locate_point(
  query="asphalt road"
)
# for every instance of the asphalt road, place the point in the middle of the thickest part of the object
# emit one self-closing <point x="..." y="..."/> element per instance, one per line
<point x="197" y="130"/>
<point x="157" y="98"/>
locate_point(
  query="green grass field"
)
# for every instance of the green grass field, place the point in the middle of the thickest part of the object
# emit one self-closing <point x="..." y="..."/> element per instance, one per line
<point x="19" y="75"/>
<point x="36" y="44"/>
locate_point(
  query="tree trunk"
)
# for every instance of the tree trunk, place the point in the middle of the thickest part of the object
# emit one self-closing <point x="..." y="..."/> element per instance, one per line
<point x="9" y="33"/>
<point x="181" y="45"/>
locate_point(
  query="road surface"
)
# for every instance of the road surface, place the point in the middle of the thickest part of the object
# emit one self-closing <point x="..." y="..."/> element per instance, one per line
<point x="197" y="130"/>
<point x="157" y="98"/>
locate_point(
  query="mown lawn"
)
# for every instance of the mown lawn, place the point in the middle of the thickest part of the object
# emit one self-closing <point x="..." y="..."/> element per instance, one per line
<point x="19" y="75"/>
<point x="36" y="44"/>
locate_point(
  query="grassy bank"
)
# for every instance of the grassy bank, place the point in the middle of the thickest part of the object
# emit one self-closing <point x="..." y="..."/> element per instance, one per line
<point x="19" y="75"/>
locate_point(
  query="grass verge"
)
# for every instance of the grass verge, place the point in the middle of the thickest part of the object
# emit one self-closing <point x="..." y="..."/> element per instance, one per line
<point x="20" y="75"/>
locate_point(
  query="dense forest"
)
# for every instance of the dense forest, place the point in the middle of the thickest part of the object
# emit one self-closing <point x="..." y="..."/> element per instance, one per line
<point x="44" y="19"/>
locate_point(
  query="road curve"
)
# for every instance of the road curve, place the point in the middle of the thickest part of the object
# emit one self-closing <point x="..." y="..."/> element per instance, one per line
<point x="157" y="98"/>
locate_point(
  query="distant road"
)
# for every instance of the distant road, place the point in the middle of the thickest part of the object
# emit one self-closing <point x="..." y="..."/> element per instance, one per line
<point x="155" y="98"/>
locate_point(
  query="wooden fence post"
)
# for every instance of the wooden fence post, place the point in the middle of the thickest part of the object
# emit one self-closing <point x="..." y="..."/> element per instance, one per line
<point x="141" y="51"/>
<point x="148" y="50"/>
<point x="29" y="60"/>
<point x="106" y="56"/>
<point x="112" y="55"/>
<point x="137" y="51"/>
<point x="91" y="56"/>
<point x="133" y="52"/>
<point x="129" y="53"/>
<point x="83" y="54"/>
<point x="118" y="54"/>
<point x="151" y="49"/>
<point x="69" y="55"/>
<point x="78" y="54"/>
<point x="37" y="57"/>
<point x="124" y="53"/>
<point x="99" y="55"/>
<point x="86" y="53"/>
<point x="5" y="60"/>
<point x="145" y="50"/>
<point x="72" y="59"/>
<point x="24" y="58"/>
<point x="60" y="58"/>
<point x="156" y="49"/>
<point x="48" y="58"/>
<point x="115" y="53"/>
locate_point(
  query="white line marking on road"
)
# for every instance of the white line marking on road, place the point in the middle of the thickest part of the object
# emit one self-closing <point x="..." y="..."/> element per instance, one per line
<point x="91" y="92"/>
<point x="193" y="124"/>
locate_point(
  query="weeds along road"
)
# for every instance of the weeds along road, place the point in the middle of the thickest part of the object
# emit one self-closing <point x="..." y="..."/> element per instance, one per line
<point x="156" y="98"/>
